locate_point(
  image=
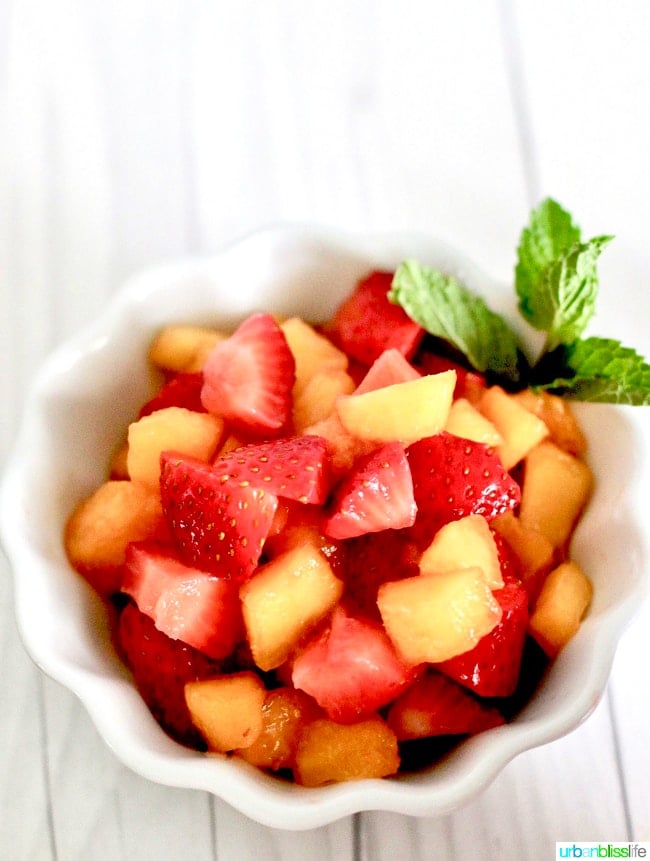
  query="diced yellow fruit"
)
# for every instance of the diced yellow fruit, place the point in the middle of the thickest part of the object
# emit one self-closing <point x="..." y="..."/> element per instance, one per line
<point x="183" y="348"/>
<point x="171" y="429"/>
<point x="315" y="401"/>
<point x="330" y="752"/>
<point x="520" y="429"/>
<point x="405" y="411"/>
<point x="533" y="552"/>
<point x="342" y="447"/>
<point x="285" y="598"/>
<point x="284" y="714"/>
<point x="560" y="607"/>
<point x="227" y="710"/>
<point x="467" y="422"/>
<point x="435" y="618"/>
<point x="464" y="543"/>
<point x="230" y="443"/>
<point x="312" y="352"/>
<point x="118" y="468"/>
<point x="558" y="417"/>
<point x="100" y="527"/>
<point x="556" y="488"/>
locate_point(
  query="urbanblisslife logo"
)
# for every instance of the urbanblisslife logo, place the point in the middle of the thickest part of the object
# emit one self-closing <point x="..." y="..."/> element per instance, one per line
<point x="602" y="850"/>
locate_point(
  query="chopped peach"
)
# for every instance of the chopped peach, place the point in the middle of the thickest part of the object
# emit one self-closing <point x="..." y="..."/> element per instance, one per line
<point x="316" y="400"/>
<point x="118" y="468"/>
<point x="557" y="415"/>
<point x="466" y="421"/>
<point x="559" y="609"/>
<point x="313" y="353"/>
<point x="464" y="543"/>
<point x="183" y="348"/>
<point x="227" y="710"/>
<point x="533" y="551"/>
<point x="520" y="429"/>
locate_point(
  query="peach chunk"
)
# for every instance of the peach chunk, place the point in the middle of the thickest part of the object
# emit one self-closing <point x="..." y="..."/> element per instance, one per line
<point x="533" y="552"/>
<point x="312" y="352"/>
<point x="227" y="710"/>
<point x="316" y="400"/>
<point x="102" y="525"/>
<point x="183" y="348"/>
<point x="520" y="429"/>
<point x="171" y="429"/>
<point x="464" y="543"/>
<point x="433" y="618"/>
<point x="559" y="609"/>
<point x="285" y="598"/>
<point x="558" y="417"/>
<point x="406" y="411"/>
<point x="330" y="752"/>
<point x="556" y="488"/>
<point x="466" y="421"/>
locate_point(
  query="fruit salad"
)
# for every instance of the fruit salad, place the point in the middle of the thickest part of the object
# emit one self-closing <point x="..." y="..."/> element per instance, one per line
<point x="336" y="550"/>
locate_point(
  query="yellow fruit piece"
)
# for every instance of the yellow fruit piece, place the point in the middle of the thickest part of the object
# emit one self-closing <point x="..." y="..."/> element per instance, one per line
<point x="558" y="417"/>
<point x="435" y="618"/>
<point x="555" y="490"/>
<point x="533" y="552"/>
<point x="404" y="411"/>
<point x="316" y="399"/>
<point x="183" y="348"/>
<point x="464" y="543"/>
<point x="285" y="598"/>
<point x="118" y="468"/>
<point x="520" y="429"/>
<point x="467" y="422"/>
<point x="342" y="447"/>
<point x="560" y="607"/>
<point x="101" y="526"/>
<point x="330" y="752"/>
<point x="171" y="429"/>
<point x="284" y="714"/>
<point x="227" y="710"/>
<point x="312" y="352"/>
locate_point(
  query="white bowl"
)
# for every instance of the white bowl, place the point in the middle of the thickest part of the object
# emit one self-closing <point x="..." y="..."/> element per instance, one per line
<point x="76" y="413"/>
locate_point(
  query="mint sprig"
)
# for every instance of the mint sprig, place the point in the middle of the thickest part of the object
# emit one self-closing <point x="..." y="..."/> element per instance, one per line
<point x="556" y="283"/>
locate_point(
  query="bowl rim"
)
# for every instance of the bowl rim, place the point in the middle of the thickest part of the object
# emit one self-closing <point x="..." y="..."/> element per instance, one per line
<point x="268" y="800"/>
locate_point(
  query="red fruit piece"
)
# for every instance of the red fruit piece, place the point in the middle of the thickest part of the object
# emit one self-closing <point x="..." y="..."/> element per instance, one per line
<point x="181" y="390"/>
<point x="218" y="524"/>
<point x="371" y="560"/>
<point x="351" y="668"/>
<point x="491" y="668"/>
<point x="186" y="604"/>
<point x="388" y="369"/>
<point x="435" y="705"/>
<point x="248" y="377"/>
<point x="161" y="667"/>
<point x="367" y="323"/>
<point x="454" y="477"/>
<point x="377" y="494"/>
<point x="293" y="467"/>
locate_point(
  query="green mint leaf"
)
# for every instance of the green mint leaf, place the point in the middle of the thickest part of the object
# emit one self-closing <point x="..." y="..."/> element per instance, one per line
<point x="602" y="370"/>
<point x="565" y="300"/>
<point x="548" y="235"/>
<point x="446" y="309"/>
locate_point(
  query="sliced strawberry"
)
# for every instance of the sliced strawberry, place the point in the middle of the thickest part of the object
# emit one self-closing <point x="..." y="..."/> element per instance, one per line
<point x="435" y="705"/>
<point x="218" y="524"/>
<point x="292" y="467"/>
<point x="161" y="667"/>
<point x="388" y="369"/>
<point x="367" y="323"/>
<point x="469" y="384"/>
<point x="371" y="560"/>
<point x="248" y="377"/>
<point x="491" y="668"/>
<point x="181" y="390"/>
<point x="377" y="494"/>
<point x="454" y="477"/>
<point x="351" y="669"/>
<point x="198" y="608"/>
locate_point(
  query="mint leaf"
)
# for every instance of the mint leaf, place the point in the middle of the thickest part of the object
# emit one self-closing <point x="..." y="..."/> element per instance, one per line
<point x="603" y="370"/>
<point x="565" y="299"/>
<point x="549" y="234"/>
<point x="446" y="309"/>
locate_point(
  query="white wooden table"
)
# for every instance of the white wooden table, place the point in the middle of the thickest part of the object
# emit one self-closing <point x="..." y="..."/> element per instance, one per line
<point x="134" y="131"/>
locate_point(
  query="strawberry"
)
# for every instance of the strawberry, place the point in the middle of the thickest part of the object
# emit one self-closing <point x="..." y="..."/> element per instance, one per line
<point x="367" y="323"/>
<point x="181" y="390"/>
<point x="371" y="560"/>
<point x="161" y="667"/>
<point x="377" y="494"/>
<point x="248" y="377"/>
<point x="190" y="605"/>
<point x="454" y="477"/>
<point x="218" y="524"/>
<point x="389" y="368"/>
<point x="491" y="668"/>
<point x="435" y="705"/>
<point x="351" y="668"/>
<point x="292" y="467"/>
